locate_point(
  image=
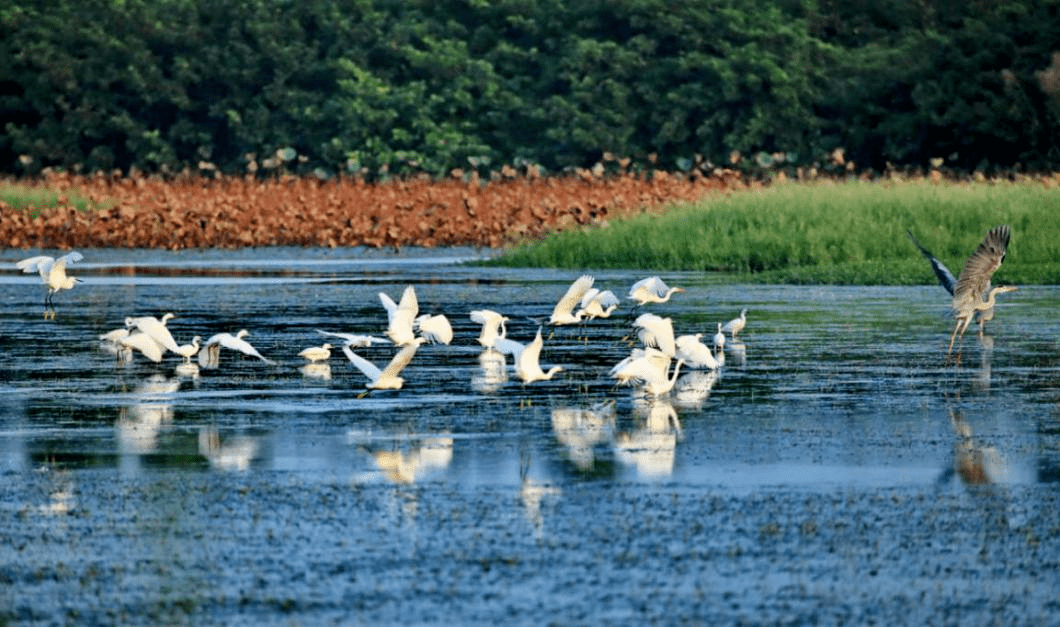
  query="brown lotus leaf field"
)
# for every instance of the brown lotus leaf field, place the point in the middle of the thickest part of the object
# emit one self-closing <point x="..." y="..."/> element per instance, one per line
<point x="140" y="211"/>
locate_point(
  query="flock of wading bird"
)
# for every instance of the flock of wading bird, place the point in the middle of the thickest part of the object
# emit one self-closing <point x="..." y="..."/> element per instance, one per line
<point x="654" y="367"/>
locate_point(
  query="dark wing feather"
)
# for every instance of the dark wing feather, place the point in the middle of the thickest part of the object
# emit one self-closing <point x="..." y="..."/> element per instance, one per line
<point x="943" y="273"/>
<point x="974" y="279"/>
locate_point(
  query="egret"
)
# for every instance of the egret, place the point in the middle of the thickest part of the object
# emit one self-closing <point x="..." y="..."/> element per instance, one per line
<point x="316" y="353"/>
<point x="493" y="327"/>
<point x="974" y="280"/>
<point x="211" y="353"/>
<point x="434" y="329"/>
<point x="527" y="358"/>
<point x="626" y="370"/>
<point x="653" y="380"/>
<point x="52" y="273"/>
<point x="387" y="378"/>
<point x="734" y="326"/>
<point x="652" y="290"/>
<point x="110" y="342"/>
<point x="657" y="332"/>
<point x="597" y="304"/>
<point x="949" y="282"/>
<point x="187" y="351"/>
<point x="719" y="339"/>
<point x="563" y="312"/>
<point x="156" y="328"/>
<point x="147" y="345"/>
<point x="695" y="353"/>
<point x="400" y="316"/>
<point x="356" y="340"/>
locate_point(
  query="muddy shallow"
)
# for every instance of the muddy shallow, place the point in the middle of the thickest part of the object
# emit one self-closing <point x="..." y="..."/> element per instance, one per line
<point x="838" y="469"/>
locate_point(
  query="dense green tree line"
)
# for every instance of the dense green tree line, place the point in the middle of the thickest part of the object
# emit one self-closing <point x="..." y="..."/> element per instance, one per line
<point x="403" y="85"/>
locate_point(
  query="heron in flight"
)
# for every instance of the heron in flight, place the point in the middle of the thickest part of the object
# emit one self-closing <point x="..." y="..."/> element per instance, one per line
<point x="974" y="280"/>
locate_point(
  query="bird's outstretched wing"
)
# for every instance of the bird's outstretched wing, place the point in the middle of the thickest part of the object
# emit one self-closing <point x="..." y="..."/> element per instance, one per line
<point x="943" y="273"/>
<point x="366" y="367"/>
<point x="981" y="265"/>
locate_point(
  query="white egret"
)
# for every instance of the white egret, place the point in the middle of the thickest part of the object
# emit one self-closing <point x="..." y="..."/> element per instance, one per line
<point x="598" y="304"/>
<point x="695" y="353"/>
<point x="210" y="355"/>
<point x="527" y="358"/>
<point x="656" y="331"/>
<point x="52" y="272"/>
<point x="400" y="316"/>
<point x="652" y="290"/>
<point x="316" y="353"/>
<point x="563" y="312"/>
<point x="626" y="370"/>
<point x="387" y="378"/>
<point x="356" y="340"/>
<point x="974" y="280"/>
<point x="492" y="326"/>
<point x="434" y="329"/>
<point x="734" y="326"/>
<point x="187" y="351"/>
<point x="156" y="328"/>
<point x="110" y="342"/>
<point x="147" y="345"/>
<point x="719" y="339"/>
<point x="653" y="381"/>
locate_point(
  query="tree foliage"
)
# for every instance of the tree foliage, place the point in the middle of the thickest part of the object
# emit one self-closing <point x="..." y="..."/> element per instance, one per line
<point x="382" y="87"/>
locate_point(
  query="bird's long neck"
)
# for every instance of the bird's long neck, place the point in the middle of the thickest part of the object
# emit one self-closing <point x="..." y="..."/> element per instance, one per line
<point x="990" y="300"/>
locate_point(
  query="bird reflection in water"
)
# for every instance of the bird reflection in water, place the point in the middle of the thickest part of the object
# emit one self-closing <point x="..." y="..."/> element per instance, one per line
<point x="650" y="447"/>
<point x="737" y="353"/>
<point x="532" y="494"/>
<point x="232" y="454"/>
<point x="407" y="466"/>
<point x="321" y="371"/>
<point x="982" y="376"/>
<point x="693" y="388"/>
<point x="492" y="373"/>
<point x="581" y="430"/>
<point x="138" y="424"/>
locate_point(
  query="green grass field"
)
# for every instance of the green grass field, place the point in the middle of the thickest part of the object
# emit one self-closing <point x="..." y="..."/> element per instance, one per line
<point x="824" y="232"/>
<point x="34" y="198"/>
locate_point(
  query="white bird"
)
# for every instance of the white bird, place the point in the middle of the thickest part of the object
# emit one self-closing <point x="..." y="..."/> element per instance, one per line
<point x="52" y="272"/>
<point x="156" y="328"/>
<point x="656" y="331"/>
<point x="355" y="340"/>
<point x="527" y="358"/>
<point x="147" y="345"/>
<point x="597" y="304"/>
<point x="316" y="353"/>
<point x="109" y="342"/>
<point x="210" y="355"/>
<point x="653" y="380"/>
<point x="652" y="290"/>
<point x="187" y="351"/>
<point x="400" y="316"/>
<point x="719" y="339"/>
<point x="434" y="329"/>
<point x="563" y="312"/>
<point x="626" y="370"/>
<point x="695" y="353"/>
<point x="493" y="327"/>
<point x="734" y="326"/>
<point x="387" y="378"/>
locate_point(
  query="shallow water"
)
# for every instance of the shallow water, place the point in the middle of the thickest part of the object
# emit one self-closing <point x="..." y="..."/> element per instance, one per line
<point x="838" y="406"/>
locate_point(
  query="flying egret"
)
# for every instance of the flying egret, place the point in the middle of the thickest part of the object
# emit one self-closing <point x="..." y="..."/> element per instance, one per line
<point x="493" y="327"/>
<point x="527" y="358"/>
<point x="949" y="282"/>
<point x="974" y="280"/>
<point x="387" y="378"/>
<point x="652" y="290"/>
<point x="434" y="329"/>
<point x="401" y="315"/>
<point x="695" y="353"/>
<point x="52" y="273"/>
<point x="355" y="340"/>
<point x="626" y="370"/>
<point x="316" y="353"/>
<point x="563" y="312"/>
<point x="147" y="345"/>
<point x="734" y="326"/>
<point x="210" y="355"/>
<point x="187" y="351"/>
<point x="653" y="380"/>
<point x="156" y="328"/>
<point x="598" y="304"/>
<point x="719" y="339"/>
<point x="656" y="331"/>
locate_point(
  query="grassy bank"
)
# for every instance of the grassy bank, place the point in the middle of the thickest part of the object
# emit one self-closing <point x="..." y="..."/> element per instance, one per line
<point x="33" y="198"/>
<point x="824" y="232"/>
